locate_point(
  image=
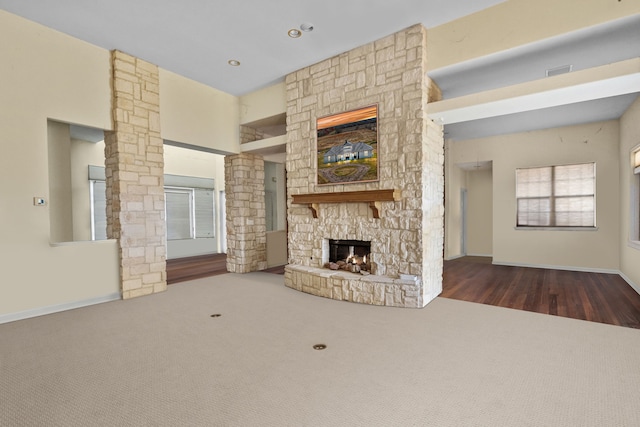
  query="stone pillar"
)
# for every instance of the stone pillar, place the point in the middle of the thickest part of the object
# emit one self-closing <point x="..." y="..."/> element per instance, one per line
<point x="246" y="222"/>
<point x="134" y="166"/>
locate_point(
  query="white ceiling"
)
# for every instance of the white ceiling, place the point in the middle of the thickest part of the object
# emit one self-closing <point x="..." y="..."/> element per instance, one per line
<point x="196" y="38"/>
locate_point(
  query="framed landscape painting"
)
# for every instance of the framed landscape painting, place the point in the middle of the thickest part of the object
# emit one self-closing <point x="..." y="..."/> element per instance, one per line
<point x="347" y="145"/>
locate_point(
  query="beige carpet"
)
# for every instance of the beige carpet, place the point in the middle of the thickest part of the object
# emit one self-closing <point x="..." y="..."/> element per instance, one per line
<point x="163" y="361"/>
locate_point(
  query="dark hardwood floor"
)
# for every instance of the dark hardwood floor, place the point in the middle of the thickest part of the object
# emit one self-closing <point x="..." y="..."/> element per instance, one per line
<point x="196" y="267"/>
<point x="183" y="269"/>
<point x="598" y="297"/>
<point x="604" y="298"/>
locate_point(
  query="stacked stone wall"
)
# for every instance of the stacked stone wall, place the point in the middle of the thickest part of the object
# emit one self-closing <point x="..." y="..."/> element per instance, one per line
<point x="245" y="213"/>
<point x="391" y="73"/>
<point x="249" y="134"/>
<point x="134" y="166"/>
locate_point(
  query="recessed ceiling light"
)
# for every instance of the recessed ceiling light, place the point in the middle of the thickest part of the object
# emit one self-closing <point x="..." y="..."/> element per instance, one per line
<point x="233" y="62"/>
<point x="306" y="27"/>
<point x="294" y="33"/>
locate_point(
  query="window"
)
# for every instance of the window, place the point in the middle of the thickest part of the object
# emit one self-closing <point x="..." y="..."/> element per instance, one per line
<point x="189" y="206"/>
<point x="179" y="213"/>
<point x="189" y="213"/>
<point x="556" y="196"/>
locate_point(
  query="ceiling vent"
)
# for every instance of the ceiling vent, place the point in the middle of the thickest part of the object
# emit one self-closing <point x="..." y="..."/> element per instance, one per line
<point x="559" y="70"/>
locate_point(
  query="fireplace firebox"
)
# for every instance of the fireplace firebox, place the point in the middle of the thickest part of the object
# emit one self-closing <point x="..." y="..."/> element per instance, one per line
<point x="343" y="250"/>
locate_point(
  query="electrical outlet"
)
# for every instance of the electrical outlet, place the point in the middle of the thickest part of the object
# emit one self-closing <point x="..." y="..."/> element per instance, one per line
<point x="39" y="201"/>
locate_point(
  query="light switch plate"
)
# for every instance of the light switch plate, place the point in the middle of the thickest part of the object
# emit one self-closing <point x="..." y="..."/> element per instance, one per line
<point x="39" y="201"/>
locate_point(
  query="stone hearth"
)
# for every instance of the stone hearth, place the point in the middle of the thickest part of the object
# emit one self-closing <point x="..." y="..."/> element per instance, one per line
<point x="345" y="286"/>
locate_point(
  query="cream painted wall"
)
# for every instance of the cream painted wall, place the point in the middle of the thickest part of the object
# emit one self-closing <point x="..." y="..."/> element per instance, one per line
<point x="60" y="200"/>
<point x="183" y="161"/>
<point x="629" y="138"/>
<point x="46" y="74"/>
<point x="517" y="22"/>
<point x="196" y="114"/>
<point x="266" y="102"/>
<point x="480" y="212"/>
<point x="591" y="250"/>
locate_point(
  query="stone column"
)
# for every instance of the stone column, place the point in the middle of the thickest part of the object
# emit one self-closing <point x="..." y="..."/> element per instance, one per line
<point x="134" y="166"/>
<point x="246" y="215"/>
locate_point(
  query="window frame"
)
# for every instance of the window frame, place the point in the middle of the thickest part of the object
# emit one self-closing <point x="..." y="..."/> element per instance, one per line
<point x="552" y="198"/>
<point x="192" y="220"/>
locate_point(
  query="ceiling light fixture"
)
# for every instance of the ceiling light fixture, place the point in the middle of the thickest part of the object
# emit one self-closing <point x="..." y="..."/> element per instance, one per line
<point x="306" y="27"/>
<point x="294" y="33"/>
<point x="233" y="62"/>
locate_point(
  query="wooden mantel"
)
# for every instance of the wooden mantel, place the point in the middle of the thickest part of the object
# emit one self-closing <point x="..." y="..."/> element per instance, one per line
<point x="372" y="197"/>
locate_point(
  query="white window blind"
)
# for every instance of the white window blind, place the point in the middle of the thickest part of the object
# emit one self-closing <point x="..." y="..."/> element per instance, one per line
<point x="178" y="205"/>
<point x="98" y="210"/>
<point x="556" y="196"/>
<point x="204" y="213"/>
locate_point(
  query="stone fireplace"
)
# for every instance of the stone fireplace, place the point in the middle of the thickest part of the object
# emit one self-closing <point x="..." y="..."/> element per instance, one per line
<point x="405" y="231"/>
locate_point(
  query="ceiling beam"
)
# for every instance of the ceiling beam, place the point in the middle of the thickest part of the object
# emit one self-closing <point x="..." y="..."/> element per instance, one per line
<point x="615" y="79"/>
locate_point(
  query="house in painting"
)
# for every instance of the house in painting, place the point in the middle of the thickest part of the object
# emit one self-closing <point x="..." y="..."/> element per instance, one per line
<point x="348" y="151"/>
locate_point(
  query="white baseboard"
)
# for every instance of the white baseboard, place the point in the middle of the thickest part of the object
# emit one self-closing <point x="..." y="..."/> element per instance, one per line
<point x="630" y="282"/>
<point x="464" y="255"/>
<point x="559" y="267"/>
<point x="41" y="311"/>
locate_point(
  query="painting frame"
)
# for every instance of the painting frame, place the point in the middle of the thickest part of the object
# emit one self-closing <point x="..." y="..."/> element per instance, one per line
<point x="347" y="147"/>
